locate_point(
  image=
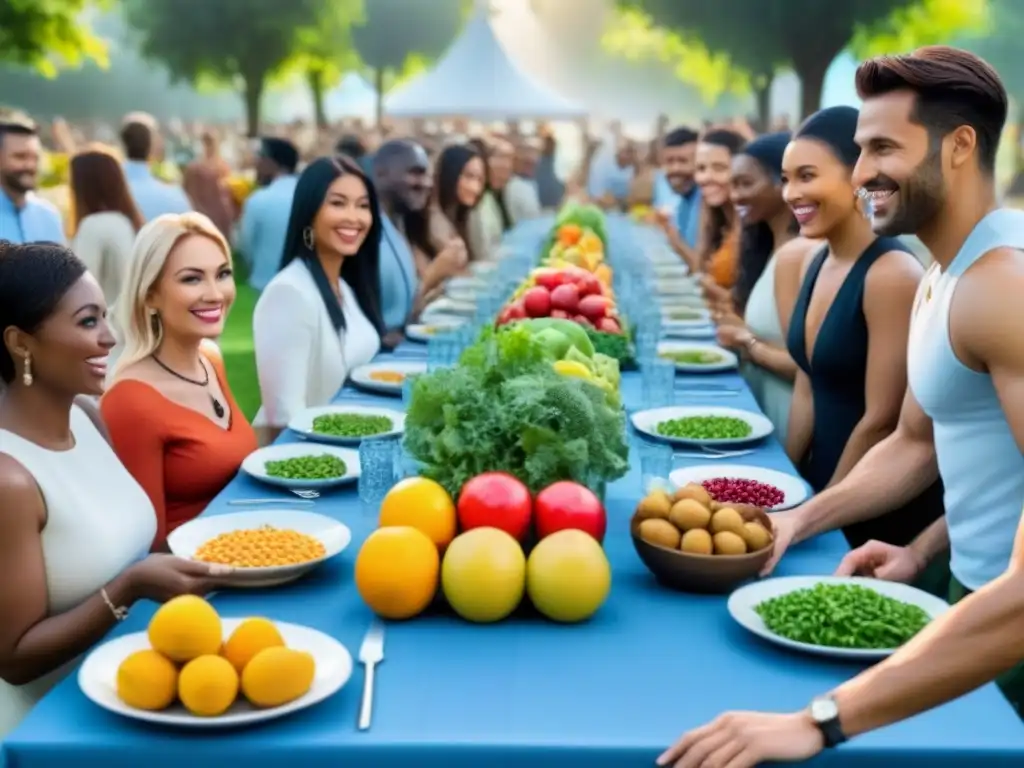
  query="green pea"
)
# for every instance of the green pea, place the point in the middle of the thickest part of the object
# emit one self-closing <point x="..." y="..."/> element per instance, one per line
<point x="323" y="467"/>
<point x="693" y="357"/>
<point x="705" y="428"/>
<point x="842" y="616"/>
<point x="351" y="425"/>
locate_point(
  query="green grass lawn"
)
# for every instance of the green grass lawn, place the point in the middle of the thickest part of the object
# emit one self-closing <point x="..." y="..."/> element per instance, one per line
<point x="236" y="347"/>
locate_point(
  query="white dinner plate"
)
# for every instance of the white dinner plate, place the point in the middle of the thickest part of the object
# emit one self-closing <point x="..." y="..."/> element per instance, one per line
<point x="744" y="600"/>
<point x="302" y="423"/>
<point x="448" y="306"/>
<point x="97" y="678"/>
<point x="186" y="540"/>
<point x="794" y="489"/>
<point x="424" y="332"/>
<point x="255" y="464"/>
<point x="647" y="423"/>
<point x="668" y="289"/>
<point x="725" y="359"/>
<point x="363" y="376"/>
<point x="671" y="303"/>
<point x="690" y="331"/>
<point x="681" y="316"/>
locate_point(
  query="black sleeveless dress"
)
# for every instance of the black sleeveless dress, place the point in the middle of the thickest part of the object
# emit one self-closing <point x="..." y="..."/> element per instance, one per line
<point x="837" y="371"/>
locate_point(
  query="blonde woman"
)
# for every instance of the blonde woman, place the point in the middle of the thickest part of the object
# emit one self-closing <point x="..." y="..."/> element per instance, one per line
<point x="171" y="416"/>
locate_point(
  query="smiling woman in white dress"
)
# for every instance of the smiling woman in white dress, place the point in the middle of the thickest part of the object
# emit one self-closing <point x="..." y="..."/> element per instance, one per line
<point x="320" y="316"/>
<point x="75" y="528"/>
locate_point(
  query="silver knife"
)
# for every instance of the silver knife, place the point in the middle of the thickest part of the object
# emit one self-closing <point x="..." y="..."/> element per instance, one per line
<point x="371" y="653"/>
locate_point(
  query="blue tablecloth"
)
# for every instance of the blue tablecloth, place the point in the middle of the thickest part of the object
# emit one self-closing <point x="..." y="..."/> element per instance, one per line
<point x="607" y="694"/>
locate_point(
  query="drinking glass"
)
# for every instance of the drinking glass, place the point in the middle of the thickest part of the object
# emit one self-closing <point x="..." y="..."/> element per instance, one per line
<point x="376" y="471"/>
<point x="442" y="351"/>
<point x="655" y="464"/>
<point x="407" y="387"/>
<point x="405" y="464"/>
<point x="646" y="346"/>
<point x="658" y="381"/>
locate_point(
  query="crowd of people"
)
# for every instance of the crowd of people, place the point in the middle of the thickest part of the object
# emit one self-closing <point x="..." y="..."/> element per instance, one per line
<point x="892" y="387"/>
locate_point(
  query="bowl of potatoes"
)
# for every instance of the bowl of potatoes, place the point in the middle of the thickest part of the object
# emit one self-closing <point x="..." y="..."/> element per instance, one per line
<point x="694" y="544"/>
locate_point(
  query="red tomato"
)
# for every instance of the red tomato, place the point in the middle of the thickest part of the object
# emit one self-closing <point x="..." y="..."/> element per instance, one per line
<point x="537" y="302"/>
<point x="549" y="279"/>
<point x="569" y="505"/>
<point x="496" y="500"/>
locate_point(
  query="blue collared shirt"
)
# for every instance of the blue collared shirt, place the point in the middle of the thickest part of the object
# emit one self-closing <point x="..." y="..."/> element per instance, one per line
<point x="152" y="196"/>
<point x="688" y="216"/>
<point x="398" y="279"/>
<point x="664" y="195"/>
<point x="263" y="228"/>
<point x="36" y="220"/>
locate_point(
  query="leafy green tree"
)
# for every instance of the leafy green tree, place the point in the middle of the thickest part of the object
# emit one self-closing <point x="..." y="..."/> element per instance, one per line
<point x="324" y="50"/>
<point x="45" y="33"/>
<point x="392" y="31"/>
<point x="761" y="36"/>
<point x="233" y="42"/>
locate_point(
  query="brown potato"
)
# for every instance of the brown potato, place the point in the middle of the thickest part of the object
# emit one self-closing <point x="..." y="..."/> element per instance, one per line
<point x="727" y="519"/>
<point x="756" y="536"/>
<point x="697" y="542"/>
<point x="729" y="543"/>
<point x="689" y="514"/>
<point x="656" y="504"/>
<point x="659" y="532"/>
<point x="693" y="491"/>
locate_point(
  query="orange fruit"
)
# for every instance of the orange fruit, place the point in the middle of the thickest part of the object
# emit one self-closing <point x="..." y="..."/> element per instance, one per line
<point x="397" y="571"/>
<point x="424" y="504"/>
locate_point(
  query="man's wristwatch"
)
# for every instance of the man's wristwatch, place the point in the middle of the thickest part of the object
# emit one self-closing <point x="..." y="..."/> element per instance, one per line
<point x="825" y="713"/>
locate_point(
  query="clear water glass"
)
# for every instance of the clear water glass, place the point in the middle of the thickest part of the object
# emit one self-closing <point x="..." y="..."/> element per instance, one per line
<point x="658" y="382"/>
<point x="405" y="464"/>
<point x="646" y="346"/>
<point x="442" y="351"/>
<point x="655" y="464"/>
<point x="376" y="470"/>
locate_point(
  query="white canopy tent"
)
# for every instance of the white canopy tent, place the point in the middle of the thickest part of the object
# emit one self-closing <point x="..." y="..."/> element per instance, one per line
<point x="477" y="79"/>
<point x="352" y="97"/>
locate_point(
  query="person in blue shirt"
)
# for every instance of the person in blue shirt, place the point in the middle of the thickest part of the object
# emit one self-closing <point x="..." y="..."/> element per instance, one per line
<point x="682" y="222"/>
<point x="401" y="172"/>
<point x="24" y="217"/>
<point x="264" y="222"/>
<point x="152" y="196"/>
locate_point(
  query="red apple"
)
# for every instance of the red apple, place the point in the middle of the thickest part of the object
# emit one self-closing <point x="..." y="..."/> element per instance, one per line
<point x="594" y="307"/>
<point x="569" y="505"/>
<point x="537" y="302"/>
<point x="609" y="325"/>
<point x="496" y="500"/>
<point x="566" y="298"/>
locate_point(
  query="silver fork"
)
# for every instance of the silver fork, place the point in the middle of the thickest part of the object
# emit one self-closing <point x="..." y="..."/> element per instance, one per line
<point x="306" y="494"/>
<point x="707" y="453"/>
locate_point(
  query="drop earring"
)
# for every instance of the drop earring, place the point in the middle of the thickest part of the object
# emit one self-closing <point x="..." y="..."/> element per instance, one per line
<point x="26" y="374"/>
<point x="308" y="238"/>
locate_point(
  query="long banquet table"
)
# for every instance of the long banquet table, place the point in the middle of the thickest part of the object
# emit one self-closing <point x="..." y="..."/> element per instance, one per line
<point x="610" y="693"/>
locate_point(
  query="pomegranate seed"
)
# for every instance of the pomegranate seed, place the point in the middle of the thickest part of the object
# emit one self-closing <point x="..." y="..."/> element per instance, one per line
<point x="738" y="490"/>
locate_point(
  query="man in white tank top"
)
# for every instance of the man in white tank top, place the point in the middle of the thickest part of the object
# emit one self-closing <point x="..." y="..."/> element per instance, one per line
<point x="927" y="162"/>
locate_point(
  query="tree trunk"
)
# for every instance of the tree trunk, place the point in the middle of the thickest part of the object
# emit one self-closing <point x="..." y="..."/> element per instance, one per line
<point x="253" y="96"/>
<point x="763" y="100"/>
<point x="378" y="83"/>
<point x="315" y="80"/>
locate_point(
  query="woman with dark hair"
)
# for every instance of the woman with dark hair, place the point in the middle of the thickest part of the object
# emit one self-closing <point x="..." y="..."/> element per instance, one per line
<point x="61" y="486"/>
<point x="754" y="317"/>
<point x="718" y="248"/>
<point x="320" y="316"/>
<point x="493" y="216"/>
<point x="105" y="218"/>
<point x="849" y="329"/>
<point x="459" y="182"/>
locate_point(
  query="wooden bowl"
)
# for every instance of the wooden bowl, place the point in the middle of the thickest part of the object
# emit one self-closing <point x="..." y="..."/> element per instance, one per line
<point x="688" y="572"/>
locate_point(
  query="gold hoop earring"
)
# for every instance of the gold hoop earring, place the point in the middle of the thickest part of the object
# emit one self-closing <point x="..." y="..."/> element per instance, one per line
<point x="26" y="374"/>
<point x="308" y="238"/>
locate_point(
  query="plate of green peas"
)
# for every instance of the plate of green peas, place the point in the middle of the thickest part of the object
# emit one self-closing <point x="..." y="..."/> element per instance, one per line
<point x="344" y="424"/>
<point x="694" y="357"/>
<point x="702" y="425"/>
<point x="844" y="617"/>
<point x="303" y="465"/>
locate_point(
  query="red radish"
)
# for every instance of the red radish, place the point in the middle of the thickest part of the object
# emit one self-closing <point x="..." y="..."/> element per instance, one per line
<point x="561" y="314"/>
<point x="566" y="297"/>
<point x="503" y="317"/>
<point x="609" y="325"/>
<point x="549" y="279"/>
<point x="537" y="302"/>
<point x="516" y="311"/>
<point x="590" y="286"/>
<point x="583" y="321"/>
<point x="594" y="307"/>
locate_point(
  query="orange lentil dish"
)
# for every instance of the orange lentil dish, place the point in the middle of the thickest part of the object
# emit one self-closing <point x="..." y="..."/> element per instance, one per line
<point x="390" y="377"/>
<point x="265" y="547"/>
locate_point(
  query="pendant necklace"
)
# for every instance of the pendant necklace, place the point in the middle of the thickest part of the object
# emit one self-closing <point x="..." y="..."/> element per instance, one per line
<point x="218" y="409"/>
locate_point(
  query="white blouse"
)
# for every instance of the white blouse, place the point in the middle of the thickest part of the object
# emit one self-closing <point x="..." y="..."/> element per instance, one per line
<point x="104" y="242"/>
<point x="301" y="360"/>
<point x="98" y="522"/>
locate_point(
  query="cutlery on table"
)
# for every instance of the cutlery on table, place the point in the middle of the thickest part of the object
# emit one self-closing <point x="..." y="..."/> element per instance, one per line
<point x="710" y="454"/>
<point x="256" y="502"/>
<point x="371" y="653"/>
<point x="306" y="494"/>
